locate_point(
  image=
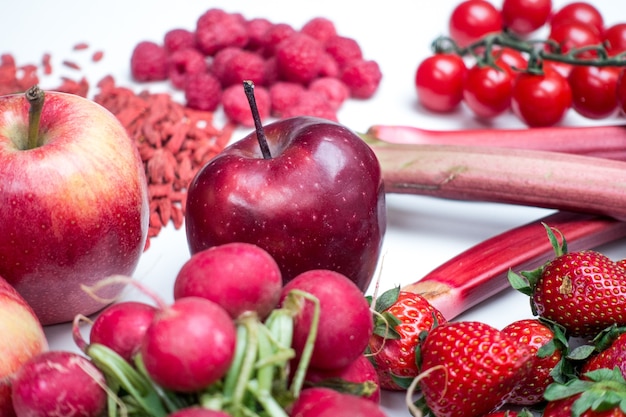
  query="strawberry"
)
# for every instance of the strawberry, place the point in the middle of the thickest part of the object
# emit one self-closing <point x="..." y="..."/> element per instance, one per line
<point x="510" y="413"/>
<point x="610" y="351"/>
<point x="601" y="394"/>
<point x="400" y="320"/>
<point x="470" y="368"/>
<point x="584" y="291"/>
<point x="547" y="344"/>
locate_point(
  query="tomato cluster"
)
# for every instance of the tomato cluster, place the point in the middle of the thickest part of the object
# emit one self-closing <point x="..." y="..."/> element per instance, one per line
<point x="494" y="68"/>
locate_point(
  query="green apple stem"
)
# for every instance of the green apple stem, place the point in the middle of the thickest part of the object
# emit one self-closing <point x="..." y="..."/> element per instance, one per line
<point x="35" y="97"/>
<point x="248" y="87"/>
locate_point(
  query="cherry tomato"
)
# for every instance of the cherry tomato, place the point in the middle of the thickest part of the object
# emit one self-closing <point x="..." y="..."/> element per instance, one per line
<point x="525" y="16"/>
<point x="580" y="11"/>
<point x="510" y="59"/>
<point x="594" y="90"/>
<point x="487" y="90"/>
<point x="621" y="91"/>
<point x="541" y="99"/>
<point x="615" y="39"/>
<point x="473" y="19"/>
<point x="571" y="35"/>
<point x="439" y="82"/>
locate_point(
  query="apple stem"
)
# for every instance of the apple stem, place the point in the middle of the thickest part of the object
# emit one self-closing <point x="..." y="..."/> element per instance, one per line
<point x="35" y="97"/>
<point x="248" y="88"/>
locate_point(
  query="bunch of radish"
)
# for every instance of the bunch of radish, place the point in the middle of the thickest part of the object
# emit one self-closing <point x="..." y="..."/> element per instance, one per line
<point x="235" y="341"/>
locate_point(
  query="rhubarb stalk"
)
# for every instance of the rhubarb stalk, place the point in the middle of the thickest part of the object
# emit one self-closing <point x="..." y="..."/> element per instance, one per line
<point x="599" y="141"/>
<point x="515" y="176"/>
<point x="481" y="271"/>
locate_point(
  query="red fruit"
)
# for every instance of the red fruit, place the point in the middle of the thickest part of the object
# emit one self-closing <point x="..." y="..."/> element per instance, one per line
<point x="362" y="78"/>
<point x="393" y="348"/>
<point x="216" y="29"/>
<point x="183" y="63"/>
<point x="298" y="58"/>
<point x="148" y="62"/>
<point x="609" y="356"/>
<point x="584" y="291"/>
<point x="473" y="19"/>
<point x="275" y="35"/>
<point x="335" y="91"/>
<point x="319" y="28"/>
<point x="284" y="96"/>
<point x="600" y="394"/>
<point x="535" y="335"/>
<point x="470" y="368"/>
<point x="237" y="108"/>
<point x="243" y="65"/>
<point x="179" y="39"/>
<point x="257" y="28"/>
<point x="313" y="103"/>
<point x="343" y="49"/>
<point x="203" y="91"/>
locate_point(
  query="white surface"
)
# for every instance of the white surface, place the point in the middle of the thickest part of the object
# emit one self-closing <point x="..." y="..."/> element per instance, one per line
<point x="422" y="233"/>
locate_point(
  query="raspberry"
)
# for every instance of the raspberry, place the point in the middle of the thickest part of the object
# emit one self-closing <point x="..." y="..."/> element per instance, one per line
<point x="319" y="28"/>
<point x="237" y="108"/>
<point x="178" y="39"/>
<point x="312" y="103"/>
<point x="185" y="62"/>
<point x="334" y="90"/>
<point x="343" y="49"/>
<point x="257" y="28"/>
<point x="219" y="66"/>
<point x="271" y="71"/>
<point x="298" y="58"/>
<point x="362" y="78"/>
<point x="328" y="66"/>
<point x="148" y="62"/>
<point x="274" y="36"/>
<point x="244" y="65"/>
<point x="285" y="95"/>
<point x="216" y="30"/>
<point x="203" y="91"/>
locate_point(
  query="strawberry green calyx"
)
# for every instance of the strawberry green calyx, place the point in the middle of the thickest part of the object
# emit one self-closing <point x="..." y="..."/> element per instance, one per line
<point x="600" y="390"/>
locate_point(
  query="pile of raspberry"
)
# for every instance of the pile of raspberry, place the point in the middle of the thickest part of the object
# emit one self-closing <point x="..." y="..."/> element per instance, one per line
<point x="310" y="71"/>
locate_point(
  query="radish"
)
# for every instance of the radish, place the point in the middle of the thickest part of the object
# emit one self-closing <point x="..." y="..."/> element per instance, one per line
<point x="345" y="320"/>
<point x="238" y="276"/>
<point x="325" y="402"/>
<point x="358" y="378"/>
<point x="122" y="326"/>
<point x="189" y="345"/>
<point x="57" y="383"/>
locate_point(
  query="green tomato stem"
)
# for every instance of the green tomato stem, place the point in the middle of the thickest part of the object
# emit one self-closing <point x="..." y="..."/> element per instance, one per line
<point x="36" y="98"/>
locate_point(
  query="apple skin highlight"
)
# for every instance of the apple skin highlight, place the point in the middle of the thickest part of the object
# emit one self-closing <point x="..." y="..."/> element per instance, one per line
<point x="74" y="209"/>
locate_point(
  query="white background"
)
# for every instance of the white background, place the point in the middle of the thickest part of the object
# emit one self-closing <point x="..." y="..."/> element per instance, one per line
<point x="422" y="233"/>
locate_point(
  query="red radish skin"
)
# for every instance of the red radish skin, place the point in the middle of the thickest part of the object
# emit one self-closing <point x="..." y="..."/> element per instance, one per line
<point x="504" y="175"/>
<point x="325" y="402"/>
<point x="198" y="411"/>
<point x="59" y="383"/>
<point x="240" y="277"/>
<point x="189" y="345"/>
<point x="345" y="321"/>
<point x="481" y="271"/>
<point x="122" y="327"/>
<point x="599" y="141"/>
<point x="360" y="371"/>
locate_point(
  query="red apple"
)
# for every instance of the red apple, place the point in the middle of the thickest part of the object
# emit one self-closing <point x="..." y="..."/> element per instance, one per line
<point x="315" y="202"/>
<point x="21" y="338"/>
<point x="73" y="201"/>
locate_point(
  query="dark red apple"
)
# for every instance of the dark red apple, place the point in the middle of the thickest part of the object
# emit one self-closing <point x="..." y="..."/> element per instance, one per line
<point x="73" y="201"/>
<point x="317" y="202"/>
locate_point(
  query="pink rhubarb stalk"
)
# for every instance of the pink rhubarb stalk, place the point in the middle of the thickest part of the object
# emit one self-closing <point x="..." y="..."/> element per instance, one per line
<point x="599" y="141"/>
<point x="505" y="175"/>
<point x="481" y="271"/>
